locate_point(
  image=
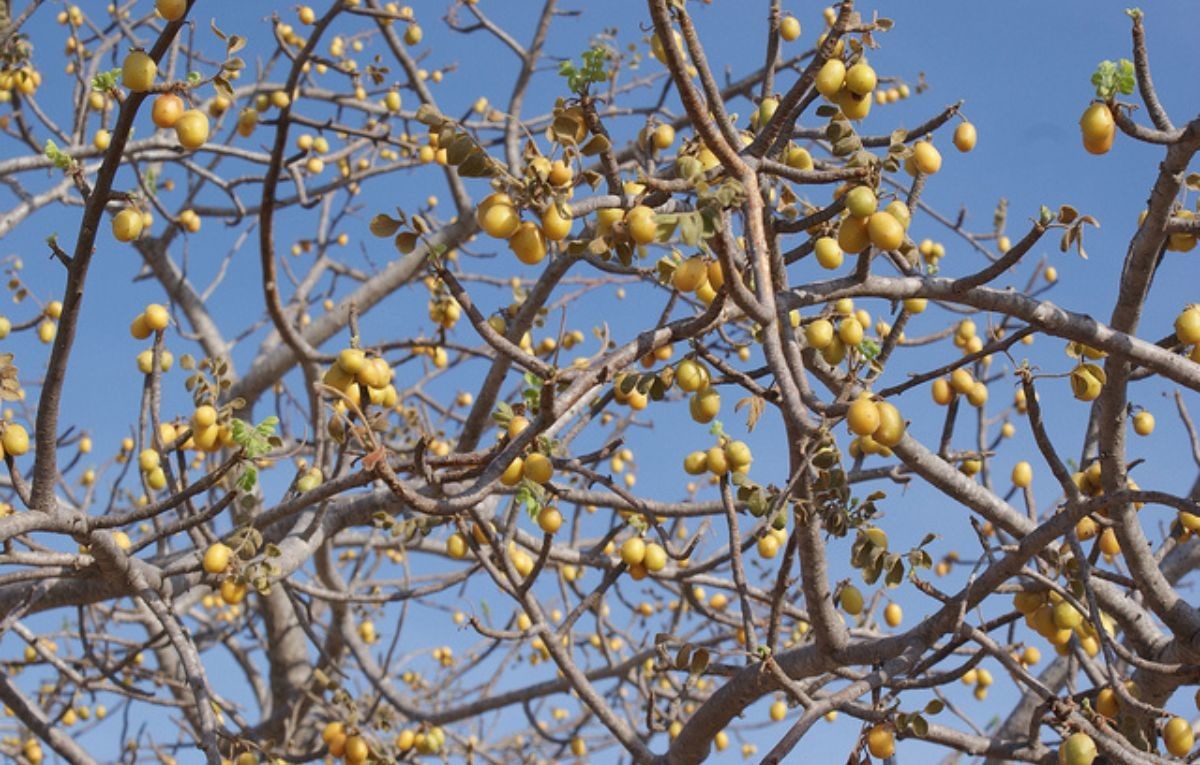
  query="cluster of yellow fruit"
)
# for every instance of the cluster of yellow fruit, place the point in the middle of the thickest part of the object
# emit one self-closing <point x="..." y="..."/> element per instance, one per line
<point x="1051" y="616"/>
<point x="849" y="88"/>
<point x="24" y="80"/>
<point x="981" y="679"/>
<point x="643" y="557"/>
<point x="699" y="276"/>
<point x="770" y="543"/>
<point x="155" y="318"/>
<point x="961" y="382"/>
<point x="354" y="368"/>
<point x="865" y="225"/>
<point x="821" y="335"/>
<point x="878" y="425"/>
<point x="726" y="457"/>
<point x="218" y="561"/>
<point x="444" y="311"/>
<point x="966" y="337"/>
<point x="224" y="612"/>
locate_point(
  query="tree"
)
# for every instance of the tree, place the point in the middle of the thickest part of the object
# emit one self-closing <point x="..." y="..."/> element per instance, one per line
<point x="370" y="517"/>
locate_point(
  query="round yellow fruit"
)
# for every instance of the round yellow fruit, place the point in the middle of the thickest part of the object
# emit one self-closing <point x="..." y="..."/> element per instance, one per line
<point x="964" y="137"/>
<point x="127" y="225"/>
<point x="15" y="439"/>
<point x="528" y="243"/>
<point x="217" y="557"/>
<point x="641" y="224"/>
<point x="881" y="742"/>
<point x="191" y="129"/>
<point x="138" y="71"/>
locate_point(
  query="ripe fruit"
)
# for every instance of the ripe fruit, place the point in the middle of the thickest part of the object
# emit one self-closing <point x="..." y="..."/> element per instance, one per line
<point x="861" y="201"/>
<point x="549" y="519"/>
<point x="191" y="129"/>
<point x="690" y="274"/>
<point x="15" y="439"/>
<point x="1022" y="474"/>
<point x="1187" y="326"/>
<point x="860" y="79"/>
<point x="1098" y="128"/>
<point x="456" y="546"/>
<point x="1087" y="381"/>
<point x="705" y="405"/>
<point x="853" y="106"/>
<point x="655" y="557"/>
<point x="156" y="317"/>
<point x="171" y="10"/>
<point x="528" y="243"/>
<point x="862" y="417"/>
<point x="891" y="425"/>
<point x="167" y="110"/>
<point x="964" y="137"/>
<point x="1178" y="736"/>
<point x="691" y="376"/>
<point x="789" y="28"/>
<point x="881" y="742"/>
<point x="1143" y="423"/>
<point x="216" y="558"/>
<point x="830" y="78"/>
<point x="885" y="231"/>
<point x="641" y="224"/>
<point x="138" y="71"/>
<point x="926" y="158"/>
<point x="662" y="137"/>
<point x="778" y="710"/>
<point x="127" y="225"/>
<point x="819" y="333"/>
<point x="850" y="331"/>
<point x="633" y="552"/>
<point x="356" y="750"/>
<point x="556" y="226"/>
<point x="892" y="614"/>
<point x="853" y="236"/>
<point x="1077" y="749"/>
<point x="232" y="592"/>
<point x="538" y="468"/>
<point x="852" y="600"/>
<point x="829" y="255"/>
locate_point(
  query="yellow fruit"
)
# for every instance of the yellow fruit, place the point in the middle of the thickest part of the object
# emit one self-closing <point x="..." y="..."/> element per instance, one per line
<point x="456" y="546"/>
<point x="171" y="10"/>
<point x="1022" y="474"/>
<point x="829" y="255"/>
<point x="662" y="137"/>
<point x="1098" y="128"/>
<point x="964" y="137"/>
<point x="778" y="710"/>
<point x="1087" y="381"/>
<point x="15" y="439"/>
<point x="881" y="742"/>
<point x="157" y="317"/>
<point x="356" y="751"/>
<point x="191" y="129"/>
<point x="892" y="614"/>
<point x="528" y="243"/>
<point x="1077" y="749"/>
<point x="830" y="78"/>
<point x="716" y="461"/>
<point x="860" y="79"/>
<point x="1178" y="736"/>
<point x="789" y="28"/>
<point x="538" y="468"/>
<point x="926" y="158"/>
<point x="690" y="274"/>
<point x="819" y="333"/>
<point x="850" y="331"/>
<point x="167" y="110"/>
<point x="891" y="424"/>
<point x="216" y="558"/>
<point x="1143" y="423"/>
<point x="695" y="463"/>
<point x="127" y="225"/>
<point x="799" y="158"/>
<point x="633" y="552"/>
<point x="138" y="71"/>
<point x="549" y="519"/>
<point x="641" y="224"/>
<point x="655" y="558"/>
<point x="885" y="231"/>
<point x="705" y="405"/>
<point x="413" y="35"/>
<point x="852" y="600"/>
<point x="855" y="107"/>
<point x="961" y="381"/>
<point x="1187" y="326"/>
<point x="1107" y="703"/>
<point x="556" y="226"/>
<point x="691" y="376"/>
<point x="232" y="592"/>
<point x="853" y="235"/>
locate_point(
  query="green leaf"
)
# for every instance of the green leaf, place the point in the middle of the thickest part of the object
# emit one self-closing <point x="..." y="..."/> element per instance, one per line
<point x="248" y="478"/>
<point x="105" y="81"/>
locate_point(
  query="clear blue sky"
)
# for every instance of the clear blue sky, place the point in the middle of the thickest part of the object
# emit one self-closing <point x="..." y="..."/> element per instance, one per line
<point x="1022" y="68"/>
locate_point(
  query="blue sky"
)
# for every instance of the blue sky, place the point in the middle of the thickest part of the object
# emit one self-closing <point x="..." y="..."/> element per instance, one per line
<point x="1022" y="68"/>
